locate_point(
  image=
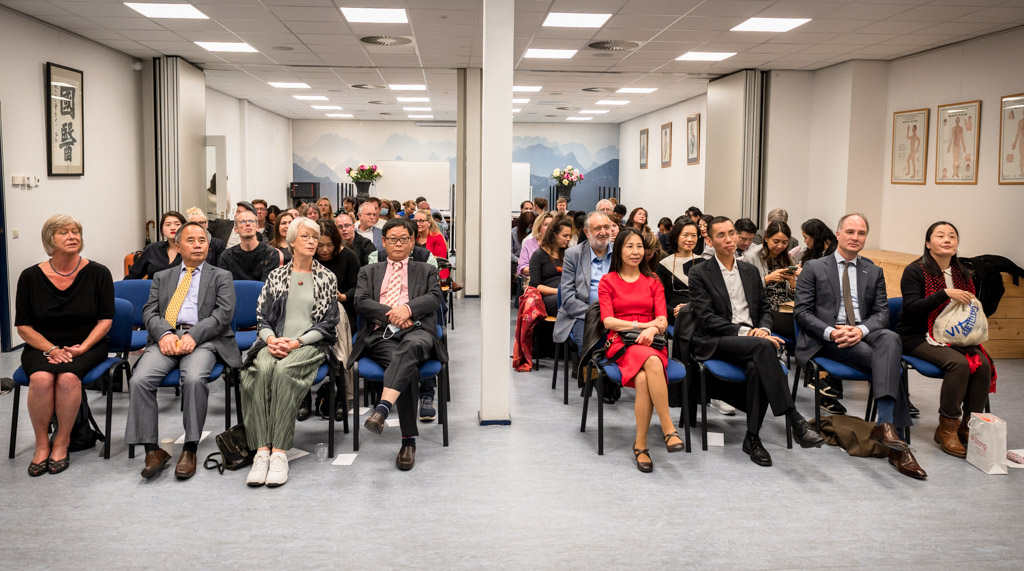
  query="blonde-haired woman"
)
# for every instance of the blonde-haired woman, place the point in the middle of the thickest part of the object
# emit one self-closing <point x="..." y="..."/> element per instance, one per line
<point x="530" y="245"/>
<point x="324" y="208"/>
<point x="64" y="308"/>
<point x="428" y="235"/>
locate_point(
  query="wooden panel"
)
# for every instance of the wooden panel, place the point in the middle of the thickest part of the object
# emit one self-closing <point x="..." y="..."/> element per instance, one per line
<point x="1006" y="328"/>
<point x="1005" y="349"/>
<point x="1012" y="290"/>
<point x="1010" y="307"/>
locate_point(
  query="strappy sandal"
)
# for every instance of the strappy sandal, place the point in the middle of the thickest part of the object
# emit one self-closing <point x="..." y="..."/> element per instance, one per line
<point x="674" y="447"/>
<point x="58" y="466"/>
<point x="39" y="469"/>
<point x="645" y="467"/>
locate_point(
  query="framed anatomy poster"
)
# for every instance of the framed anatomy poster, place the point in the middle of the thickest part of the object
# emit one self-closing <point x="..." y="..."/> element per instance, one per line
<point x="693" y="139"/>
<point x="65" y="134"/>
<point x="666" y="145"/>
<point x="1011" y="139"/>
<point x="909" y="147"/>
<point x="644" y="140"/>
<point x="956" y="143"/>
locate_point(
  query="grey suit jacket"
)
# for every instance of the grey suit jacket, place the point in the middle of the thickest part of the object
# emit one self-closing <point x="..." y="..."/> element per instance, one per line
<point x="819" y="294"/>
<point x="378" y="237"/>
<point x="575" y="288"/>
<point x="216" y="308"/>
<point x="424" y="301"/>
<point x="710" y="303"/>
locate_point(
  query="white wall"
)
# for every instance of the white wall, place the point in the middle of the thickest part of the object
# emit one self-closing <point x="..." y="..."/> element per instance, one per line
<point x="108" y="199"/>
<point x="786" y="183"/>
<point x="829" y="135"/>
<point x="663" y="191"/>
<point x="724" y="154"/>
<point x="259" y="148"/>
<point x="986" y="214"/>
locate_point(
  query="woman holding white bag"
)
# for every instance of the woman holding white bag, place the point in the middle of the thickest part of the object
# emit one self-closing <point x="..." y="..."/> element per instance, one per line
<point x="931" y="285"/>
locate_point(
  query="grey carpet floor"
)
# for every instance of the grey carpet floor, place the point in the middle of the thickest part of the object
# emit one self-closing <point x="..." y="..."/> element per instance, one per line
<point x="534" y="494"/>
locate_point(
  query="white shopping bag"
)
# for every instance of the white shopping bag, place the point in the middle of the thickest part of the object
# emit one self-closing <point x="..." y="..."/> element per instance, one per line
<point x="986" y="447"/>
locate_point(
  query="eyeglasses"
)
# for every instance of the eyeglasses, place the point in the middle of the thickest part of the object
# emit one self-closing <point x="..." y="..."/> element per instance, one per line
<point x="345" y="226"/>
<point x="402" y="240"/>
<point x="245" y="222"/>
<point x="308" y="237"/>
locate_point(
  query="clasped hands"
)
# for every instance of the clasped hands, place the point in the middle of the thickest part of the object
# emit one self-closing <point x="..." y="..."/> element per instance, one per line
<point x="279" y="347"/>
<point x="846" y="335"/>
<point x="172" y="345"/>
<point x="64" y="354"/>
<point x="764" y="334"/>
<point x="400" y="316"/>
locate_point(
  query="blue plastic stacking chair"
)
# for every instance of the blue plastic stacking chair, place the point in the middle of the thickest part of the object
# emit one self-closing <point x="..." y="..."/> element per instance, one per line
<point x="733" y="374"/>
<point x="136" y="292"/>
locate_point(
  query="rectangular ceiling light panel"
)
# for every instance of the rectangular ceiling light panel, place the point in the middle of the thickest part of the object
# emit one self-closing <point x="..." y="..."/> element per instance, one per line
<point x="637" y="90"/>
<point x="226" y="47"/>
<point x="375" y="15"/>
<point x="406" y="87"/>
<point x="570" y="20"/>
<point x="770" y="24"/>
<point x="311" y="97"/>
<point x="705" y="56"/>
<point x="612" y="102"/>
<point x="412" y="99"/>
<point x="325" y="107"/>
<point x="156" y="11"/>
<point x="340" y="115"/>
<point x="537" y="53"/>
<point x="526" y="88"/>
<point x="288" y="85"/>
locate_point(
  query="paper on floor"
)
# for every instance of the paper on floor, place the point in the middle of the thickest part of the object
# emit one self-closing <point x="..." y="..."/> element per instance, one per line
<point x="295" y="453"/>
<point x="716" y="439"/>
<point x="181" y="439"/>
<point x="344" y="459"/>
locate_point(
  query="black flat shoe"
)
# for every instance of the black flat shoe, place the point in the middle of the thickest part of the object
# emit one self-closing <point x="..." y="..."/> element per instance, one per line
<point x="645" y="467"/>
<point x="39" y="469"/>
<point x="304" y="408"/>
<point x="58" y="466"/>
<point x="678" y="447"/>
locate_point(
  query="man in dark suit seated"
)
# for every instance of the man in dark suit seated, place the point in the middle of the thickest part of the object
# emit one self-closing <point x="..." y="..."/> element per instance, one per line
<point x="828" y="291"/>
<point x="398" y="301"/>
<point x="733" y="325"/>
<point x="347" y="229"/>
<point x="188" y="318"/>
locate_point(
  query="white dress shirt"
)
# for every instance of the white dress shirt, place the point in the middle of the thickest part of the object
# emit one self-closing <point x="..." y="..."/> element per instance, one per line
<point x="842" y="318"/>
<point x="737" y="297"/>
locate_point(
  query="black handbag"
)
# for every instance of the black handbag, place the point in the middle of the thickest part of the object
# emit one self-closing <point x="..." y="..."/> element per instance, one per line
<point x="629" y="338"/>
<point x="233" y="450"/>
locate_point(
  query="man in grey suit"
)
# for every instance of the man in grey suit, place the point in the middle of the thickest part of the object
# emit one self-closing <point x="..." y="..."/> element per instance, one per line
<point x="843" y="313"/>
<point x="369" y="214"/>
<point x="583" y="267"/>
<point x="188" y="318"/>
<point x="398" y="301"/>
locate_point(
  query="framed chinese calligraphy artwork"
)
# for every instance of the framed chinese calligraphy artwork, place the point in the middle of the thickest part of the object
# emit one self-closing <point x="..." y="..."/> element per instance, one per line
<point x="65" y="134"/>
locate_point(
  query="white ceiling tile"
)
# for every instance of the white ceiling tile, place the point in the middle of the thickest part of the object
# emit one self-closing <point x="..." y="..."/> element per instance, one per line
<point x="101" y="9"/>
<point x="126" y="23"/>
<point x="796" y="10"/>
<point x="893" y="27"/>
<point x="933" y="13"/>
<point x="707" y="23"/>
<point x="995" y="15"/>
<point x="306" y="14"/>
<point x="35" y="8"/>
<point x="920" y="39"/>
<point x="154" y="35"/>
<point x="730" y="8"/>
<point x="832" y="25"/>
<point x="956" y="28"/>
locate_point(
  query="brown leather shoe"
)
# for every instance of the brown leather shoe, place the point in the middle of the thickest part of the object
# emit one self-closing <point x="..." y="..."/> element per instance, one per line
<point x="155" y="461"/>
<point x="885" y="434"/>
<point x="375" y="423"/>
<point x="406" y="458"/>
<point x="906" y="464"/>
<point x="186" y="467"/>
<point x="963" y="433"/>
<point x="946" y="437"/>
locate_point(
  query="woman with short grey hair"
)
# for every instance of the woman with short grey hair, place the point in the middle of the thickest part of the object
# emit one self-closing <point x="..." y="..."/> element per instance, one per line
<point x="297" y="313"/>
<point x="64" y="308"/>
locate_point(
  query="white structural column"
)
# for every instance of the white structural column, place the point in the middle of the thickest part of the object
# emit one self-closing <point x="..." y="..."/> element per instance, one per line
<point x="496" y="177"/>
<point x="467" y="181"/>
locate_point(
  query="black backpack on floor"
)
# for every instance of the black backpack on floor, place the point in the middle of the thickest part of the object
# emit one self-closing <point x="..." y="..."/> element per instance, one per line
<point x="85" y="432"/>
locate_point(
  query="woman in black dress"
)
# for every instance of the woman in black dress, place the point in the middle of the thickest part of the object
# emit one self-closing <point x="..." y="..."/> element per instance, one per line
<point x="343" y="262"/>
<point x="674" y="269"/>
<point x="159" y="255"/>
<point x="64" y="308"/>
<point x="546" y="262"/>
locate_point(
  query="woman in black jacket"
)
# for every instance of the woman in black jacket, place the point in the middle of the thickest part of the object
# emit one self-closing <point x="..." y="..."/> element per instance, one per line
<point x="929" y="284"/>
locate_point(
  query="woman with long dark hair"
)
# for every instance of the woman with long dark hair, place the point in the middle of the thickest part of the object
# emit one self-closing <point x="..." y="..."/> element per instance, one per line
<point x="631" y="301"/>
<point x="159" y="255"/>
<point x="638" y="219"/>
<point x="929" y="285"/>
<point x="773" y="263"/>
<point x="674" y="269"/>
<point x="819" y="241"/>
<point x="546" y="262"/>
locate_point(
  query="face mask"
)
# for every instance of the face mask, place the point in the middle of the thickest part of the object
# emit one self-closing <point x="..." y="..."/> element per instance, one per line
<point x="383" y="211"/>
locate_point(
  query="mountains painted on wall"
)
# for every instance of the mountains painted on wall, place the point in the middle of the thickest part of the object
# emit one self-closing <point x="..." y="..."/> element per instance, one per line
<point x="343" y="152"/>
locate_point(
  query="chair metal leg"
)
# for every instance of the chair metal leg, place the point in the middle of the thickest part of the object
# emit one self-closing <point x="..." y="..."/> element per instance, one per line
<point x="813" y="373"/>
<point x="14" y="420"/>
<point x="796" y="381"/>
<point x="355" y="406"/>
<point x="600" y="414"/>
<point x="565" y="372"/>
<point x="789" y="433"/>
<point x="684" y="415"/>
<point x="344" y="398"/>
<point x="554" y="369"/>
<point x="131" y="451"/>
<point x="331" y="407"/>
<point x="227" y="400"/>
<point x="703" y="408"/>
<point x="588" y="388"/>
<point x="443" y="404"/>
<point x="110" y="407"/>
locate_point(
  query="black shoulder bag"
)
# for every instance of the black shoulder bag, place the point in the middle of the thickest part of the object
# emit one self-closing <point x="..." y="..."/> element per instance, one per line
<point x="233" y="450"/>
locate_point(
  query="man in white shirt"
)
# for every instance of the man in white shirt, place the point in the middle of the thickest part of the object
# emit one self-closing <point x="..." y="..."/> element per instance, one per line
<point x="733" y="325"/>
<point x="369" y="213"/>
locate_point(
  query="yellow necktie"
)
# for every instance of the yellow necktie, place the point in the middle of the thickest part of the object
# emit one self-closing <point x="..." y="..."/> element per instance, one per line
<point x="171" y="315"/>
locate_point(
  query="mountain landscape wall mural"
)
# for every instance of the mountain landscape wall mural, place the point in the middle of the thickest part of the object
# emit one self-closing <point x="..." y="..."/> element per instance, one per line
<point x="322" y="150"/>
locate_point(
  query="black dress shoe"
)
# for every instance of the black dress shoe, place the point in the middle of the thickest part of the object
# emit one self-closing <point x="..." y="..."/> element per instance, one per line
<point x="645" y="467"/>
<point x="375" y="423"/>
<point x="406" y="458"/>
<point x="805" y="436"/>
<point x="758" y="455"/>
<point x="339" y="413"/>
<point x="304" y="408"/>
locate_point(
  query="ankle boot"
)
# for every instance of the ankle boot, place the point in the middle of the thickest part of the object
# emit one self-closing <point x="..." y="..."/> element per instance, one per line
<point x="946" y="437"/>
<point x="963" y="432"/>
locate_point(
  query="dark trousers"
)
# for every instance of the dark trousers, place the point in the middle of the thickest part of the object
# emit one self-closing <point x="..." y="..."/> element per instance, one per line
<point x="782" y="324"/>
<point x="760" y="360"/>
<point x="880" y="353"/>
<point x="401" y="359"/>
<point x="960" y="387"/>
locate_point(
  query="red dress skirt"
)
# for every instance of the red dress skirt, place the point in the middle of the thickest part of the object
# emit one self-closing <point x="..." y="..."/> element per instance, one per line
<point x="641" y="301"/>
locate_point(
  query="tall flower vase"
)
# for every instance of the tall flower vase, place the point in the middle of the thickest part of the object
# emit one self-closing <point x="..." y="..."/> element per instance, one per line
<point x="564" y="192"/>
<point x="362" y="188"/>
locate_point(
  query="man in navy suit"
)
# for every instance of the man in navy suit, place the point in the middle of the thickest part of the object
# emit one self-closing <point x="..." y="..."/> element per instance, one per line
<point x="843" y="314"/>
<point x="733" y="325"/>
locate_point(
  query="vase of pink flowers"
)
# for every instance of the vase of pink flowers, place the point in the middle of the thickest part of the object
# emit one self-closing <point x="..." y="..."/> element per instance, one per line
<point x="565" y="179"/>
<point x="363" y="176"/>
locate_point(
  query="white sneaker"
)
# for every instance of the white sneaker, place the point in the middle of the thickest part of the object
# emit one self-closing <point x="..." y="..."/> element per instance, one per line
<point x="278" y="473"/>
<point x="723" y="407"/>
<point x="258" y="473"/>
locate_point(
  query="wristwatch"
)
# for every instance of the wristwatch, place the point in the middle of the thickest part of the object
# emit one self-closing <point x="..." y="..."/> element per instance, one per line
<point x="48" y="351"/>
<point x="634" y="325"/>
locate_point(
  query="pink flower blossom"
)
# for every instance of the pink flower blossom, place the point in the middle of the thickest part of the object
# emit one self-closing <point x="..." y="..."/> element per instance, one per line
<point x="348" y="170"/>
<point x="581" y="177"/>
<point x="362" y="167"/>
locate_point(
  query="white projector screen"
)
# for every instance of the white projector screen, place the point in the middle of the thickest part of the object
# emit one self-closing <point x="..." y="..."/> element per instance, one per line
<point x="406" y="180"/>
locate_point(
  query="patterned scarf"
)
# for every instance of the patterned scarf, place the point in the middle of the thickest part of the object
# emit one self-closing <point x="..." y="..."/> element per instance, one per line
<point x="934" y="283"/>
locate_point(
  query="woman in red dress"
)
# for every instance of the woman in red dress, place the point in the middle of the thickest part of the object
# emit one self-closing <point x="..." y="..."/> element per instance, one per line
<point x="633" y="299"/>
